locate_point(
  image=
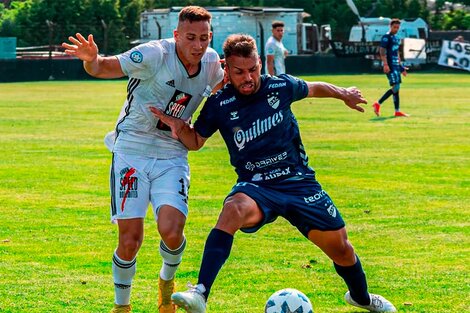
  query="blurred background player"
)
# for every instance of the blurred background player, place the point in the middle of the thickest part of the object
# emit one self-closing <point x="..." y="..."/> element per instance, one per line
<point x="275" y="50"/>
<point x="148" y="165"/>
<point x="392" y="67"/>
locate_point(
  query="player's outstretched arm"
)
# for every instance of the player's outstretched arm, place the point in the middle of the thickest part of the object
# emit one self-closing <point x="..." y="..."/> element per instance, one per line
<point x="94" y="64"/>
<point x="180" y="130"/>
<point x="351" y="96"/>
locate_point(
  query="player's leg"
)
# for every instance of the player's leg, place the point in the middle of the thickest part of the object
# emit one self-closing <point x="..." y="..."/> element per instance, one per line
<point x="385" y="96"/>
<point x="124" y="260"/>
<point x="239" y="211"/>
<point x="315" y="215"/>
<point x="169" y="197"/>
<point x="129" y="202"/>
<point x="172" y="245"/>
<point x="396" y="100"/>
<point x="336" y="245"/>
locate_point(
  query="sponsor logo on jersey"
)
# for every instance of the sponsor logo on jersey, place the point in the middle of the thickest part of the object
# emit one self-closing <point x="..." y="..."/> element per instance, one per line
<point x="234" y="115"/>
<point x="266" y="162"/>
<point x="128" y="185"/>
<point x="207" y="91"/>
<point x="227" y="101"/>
<point x="277" y="85"/>
<point x="273" y="100"/>
<point x="315" y="197"/>
<point x="332" y="210"/>
<point x="137" y="57"/>
<point x="175" y="108"/>
<point x="258" y="127"/>
<point x="171" y="83"/>
<point x="278" y="172"/>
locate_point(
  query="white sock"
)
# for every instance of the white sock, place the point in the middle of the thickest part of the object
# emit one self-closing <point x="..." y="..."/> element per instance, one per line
<point x="171" y="259"/>
<point x="123" y="273"/>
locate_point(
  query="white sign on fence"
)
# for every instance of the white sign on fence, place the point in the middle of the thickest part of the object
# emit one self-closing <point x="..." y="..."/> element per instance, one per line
<point x="455" y="54"/>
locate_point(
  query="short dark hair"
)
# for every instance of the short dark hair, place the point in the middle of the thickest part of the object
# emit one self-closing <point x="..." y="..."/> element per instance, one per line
<point x="194" y="13"/>
<point x="395" y="21"/>
<point x="241" y="45"/>
<point x="275" y="24"/>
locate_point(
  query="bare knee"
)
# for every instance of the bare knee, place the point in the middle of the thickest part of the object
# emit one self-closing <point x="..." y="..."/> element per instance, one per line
<point x="129" y="245"/>
<point x="170" y="226"/>
<point x="171" y="236"/>
<point x="344" y="254"/>
<point x="335" y="244"/>
<point x="238" y="211"/>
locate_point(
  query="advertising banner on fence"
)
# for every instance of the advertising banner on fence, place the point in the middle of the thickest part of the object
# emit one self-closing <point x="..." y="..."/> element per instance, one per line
<point x="455" y="54"/>
<point x="7" y="48"/>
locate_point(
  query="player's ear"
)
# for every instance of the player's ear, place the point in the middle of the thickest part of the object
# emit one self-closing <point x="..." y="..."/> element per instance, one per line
<point x="175" y="34"/>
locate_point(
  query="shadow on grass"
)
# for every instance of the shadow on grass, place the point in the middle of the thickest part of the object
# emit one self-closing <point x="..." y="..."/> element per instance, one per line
<point x="381" y="118"/>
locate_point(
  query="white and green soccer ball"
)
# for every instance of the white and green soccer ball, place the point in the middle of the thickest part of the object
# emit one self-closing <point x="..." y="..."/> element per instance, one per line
<point x="288" y="301"/>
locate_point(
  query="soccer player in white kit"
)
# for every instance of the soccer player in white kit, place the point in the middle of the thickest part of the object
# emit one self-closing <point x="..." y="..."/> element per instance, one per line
<point x="275" y="50"/>
<point x="149" y="165"/>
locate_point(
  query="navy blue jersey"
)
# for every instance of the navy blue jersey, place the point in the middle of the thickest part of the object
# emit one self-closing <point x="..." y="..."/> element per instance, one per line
<point x="392" y="44"/>
<point x="260" y="130"/>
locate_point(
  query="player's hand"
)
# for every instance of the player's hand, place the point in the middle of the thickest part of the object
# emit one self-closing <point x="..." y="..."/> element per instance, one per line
<point x="84" y="49"/>
<point x="386" y="69"/>
<point x="354" y="98"/>
<point x="405" y="71"/>
<point x="174" y="123"/>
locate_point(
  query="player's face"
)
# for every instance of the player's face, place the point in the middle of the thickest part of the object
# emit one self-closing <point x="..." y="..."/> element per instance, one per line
<point x="192" y="40"/>
<point x="244" y="73"/>
<point x="278" y="32"/>
<point x="394" y="29"/>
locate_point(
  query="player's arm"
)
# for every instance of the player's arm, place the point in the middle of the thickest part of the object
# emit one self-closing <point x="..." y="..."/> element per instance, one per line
<point x="270" y="64"/>
<point x="181" y="130"/>
<point x="351" y="96"/>
<point x="383" y="57"/>
<point x="94" y="64"/>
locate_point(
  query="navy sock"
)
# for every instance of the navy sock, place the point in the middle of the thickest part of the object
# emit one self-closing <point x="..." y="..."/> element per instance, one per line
<point x="216" y="251"/>
<point x="386" y="95"/>
<point x="396" y="101"/>
<point x="355" y="279"/>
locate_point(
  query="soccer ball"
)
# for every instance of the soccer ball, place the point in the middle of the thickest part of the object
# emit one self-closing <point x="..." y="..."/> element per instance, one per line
<point x="288" y="301"/>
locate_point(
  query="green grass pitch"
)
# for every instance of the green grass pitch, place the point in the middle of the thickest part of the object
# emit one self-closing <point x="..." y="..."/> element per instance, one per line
<point x="402" y="185"/>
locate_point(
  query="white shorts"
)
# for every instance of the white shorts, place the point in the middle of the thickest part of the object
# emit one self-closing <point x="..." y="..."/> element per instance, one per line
<point x="137" y="181"/>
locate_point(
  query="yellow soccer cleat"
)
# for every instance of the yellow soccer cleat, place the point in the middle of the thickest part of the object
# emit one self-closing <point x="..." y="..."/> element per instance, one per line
<point x="121" y="308"/>
<point x="165" y="289"/>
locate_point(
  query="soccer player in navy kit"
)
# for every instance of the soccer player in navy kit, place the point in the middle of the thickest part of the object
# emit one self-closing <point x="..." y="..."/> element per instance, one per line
<point x="253" y="114"/>
<point x="390" y="55"/>
<point x="149" y="166"/>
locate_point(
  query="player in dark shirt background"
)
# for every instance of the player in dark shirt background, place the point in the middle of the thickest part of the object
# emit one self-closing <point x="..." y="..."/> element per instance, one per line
<point x="253" y="114"/>
<point x="390" y="55"/>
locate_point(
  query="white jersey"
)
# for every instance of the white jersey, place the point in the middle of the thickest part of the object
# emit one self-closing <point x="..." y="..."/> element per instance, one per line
<point x="158" y="78"/>
<point x="277" y="49"/>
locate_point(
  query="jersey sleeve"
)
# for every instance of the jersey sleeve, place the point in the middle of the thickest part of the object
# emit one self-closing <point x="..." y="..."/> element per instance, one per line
<point x="206" y="123"/>
<point x="299" y="87"/>
<point x="269" y="48"/>
<point x="216" y="73"/>
<point x="142" y="61"/>
<point x="384" y="42"/>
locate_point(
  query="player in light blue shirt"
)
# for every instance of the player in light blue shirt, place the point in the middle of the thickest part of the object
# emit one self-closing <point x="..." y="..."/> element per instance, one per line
<point x="253" y="114"/>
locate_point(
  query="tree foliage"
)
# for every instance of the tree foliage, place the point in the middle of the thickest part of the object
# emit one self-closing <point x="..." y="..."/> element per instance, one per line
<point x="115" y="23"/>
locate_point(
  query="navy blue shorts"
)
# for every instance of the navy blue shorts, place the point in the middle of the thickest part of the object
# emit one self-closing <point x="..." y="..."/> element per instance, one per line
<point x="394" y="76"/>
<point x="302" y="202"/>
